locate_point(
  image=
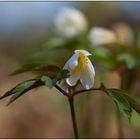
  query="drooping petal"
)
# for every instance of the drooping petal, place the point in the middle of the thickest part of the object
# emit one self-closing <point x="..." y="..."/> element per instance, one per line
<point x="87" y="78"/>
<point x="66" y="67"/>
<point x="72" y="80"/>
<point x="83" y="51"/>
<point x="91" y="68"/>
<point x="73" y="61"/>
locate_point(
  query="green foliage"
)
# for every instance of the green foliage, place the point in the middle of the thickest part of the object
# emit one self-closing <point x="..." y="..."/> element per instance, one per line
<point x="46" y="61"/>
<point x="52" y="82"/>
<point x="121" y="102"/>
<point x="25" y="86"/>
<point x="18" y="87"/>
<point x="128" y="59"/>
<point x="105" y="57"/>
<point x="49" y="70"/>
<point x="21" y="89"/>
<point x="133" y="103"/>
<point x="23" y="68"/>
<point x="70" y="44"/>
<point x="54" y="43"/>
<point x="51" y="57"/>
<point x="124" y="102"/>
<point x="48" y="81"/>
<point x="62" y="75"/>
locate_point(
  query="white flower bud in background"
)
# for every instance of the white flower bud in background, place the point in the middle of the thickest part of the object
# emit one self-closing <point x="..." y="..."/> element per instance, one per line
<point x="101" y="36"/>
<point x="70" y="22"/>
<point x="124" y="33"/>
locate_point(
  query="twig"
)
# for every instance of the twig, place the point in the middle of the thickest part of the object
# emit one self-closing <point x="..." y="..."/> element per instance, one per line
<point x="61" y="90"/>
<point x="71" y="103"/>
<point x="82" y="91"/>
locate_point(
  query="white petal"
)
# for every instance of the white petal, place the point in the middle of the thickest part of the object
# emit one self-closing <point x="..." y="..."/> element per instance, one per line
<point x="91" y="68"/>
<point x="66" y="66"/>
<point x="73" y="61"/>
<point x="72" y="80"/>
<point x="83" y="51"/>
<point x="87" y="78"/>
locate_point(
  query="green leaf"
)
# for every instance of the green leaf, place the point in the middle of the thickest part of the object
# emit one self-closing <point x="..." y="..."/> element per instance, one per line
<point x="39" y="61"/>
<point x="25" y="86"/>
<point x="24" y="68"/>
<point x="128" y="59"/>
<point x="50" y="71"/>
<point x="121" y="102"/>
<point x="48" y="81"/>
<point x="102" y="52"/>
<point x="8" y="93"/>
<point x="21" y="89"/>
<point x="105" y="57"/>
<point x="63" y="74"/>
<point x="133" y="103"/>
<point x="54" y="43"/>
<point x="13" y="90"/>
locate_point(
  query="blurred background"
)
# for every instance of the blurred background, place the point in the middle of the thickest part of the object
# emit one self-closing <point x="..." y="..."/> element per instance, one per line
<point x="43" y="113"/>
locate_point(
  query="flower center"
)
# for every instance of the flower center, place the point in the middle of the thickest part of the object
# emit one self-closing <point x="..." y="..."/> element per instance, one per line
<point x="82" y="64"/>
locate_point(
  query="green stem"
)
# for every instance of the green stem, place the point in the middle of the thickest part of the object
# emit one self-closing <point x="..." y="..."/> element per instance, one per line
<point x="71" y="103"/>
<point x="82" y="91"/>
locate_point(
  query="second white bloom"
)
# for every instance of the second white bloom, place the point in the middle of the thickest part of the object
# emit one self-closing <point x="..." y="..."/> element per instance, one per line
<point x="101" y="36"/>
<point x="70" y="22"/>
<point x="80" y="68"/>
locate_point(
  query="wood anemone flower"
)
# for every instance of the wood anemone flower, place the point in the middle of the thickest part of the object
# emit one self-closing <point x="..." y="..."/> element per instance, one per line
<point x="80" y="68"/>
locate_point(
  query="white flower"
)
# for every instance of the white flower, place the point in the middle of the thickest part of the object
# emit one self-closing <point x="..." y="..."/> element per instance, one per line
<point x="80" y="68"/>
<point x="101" y="36"/>
<point x="124" y="33"/>
<point x="70" y="22"/>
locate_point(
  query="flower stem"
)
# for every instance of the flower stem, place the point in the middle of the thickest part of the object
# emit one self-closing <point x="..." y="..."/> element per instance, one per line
<point x="71" y="103"/>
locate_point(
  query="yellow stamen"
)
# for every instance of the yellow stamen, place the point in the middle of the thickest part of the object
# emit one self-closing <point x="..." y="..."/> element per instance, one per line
<point x="82" y="64"/>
